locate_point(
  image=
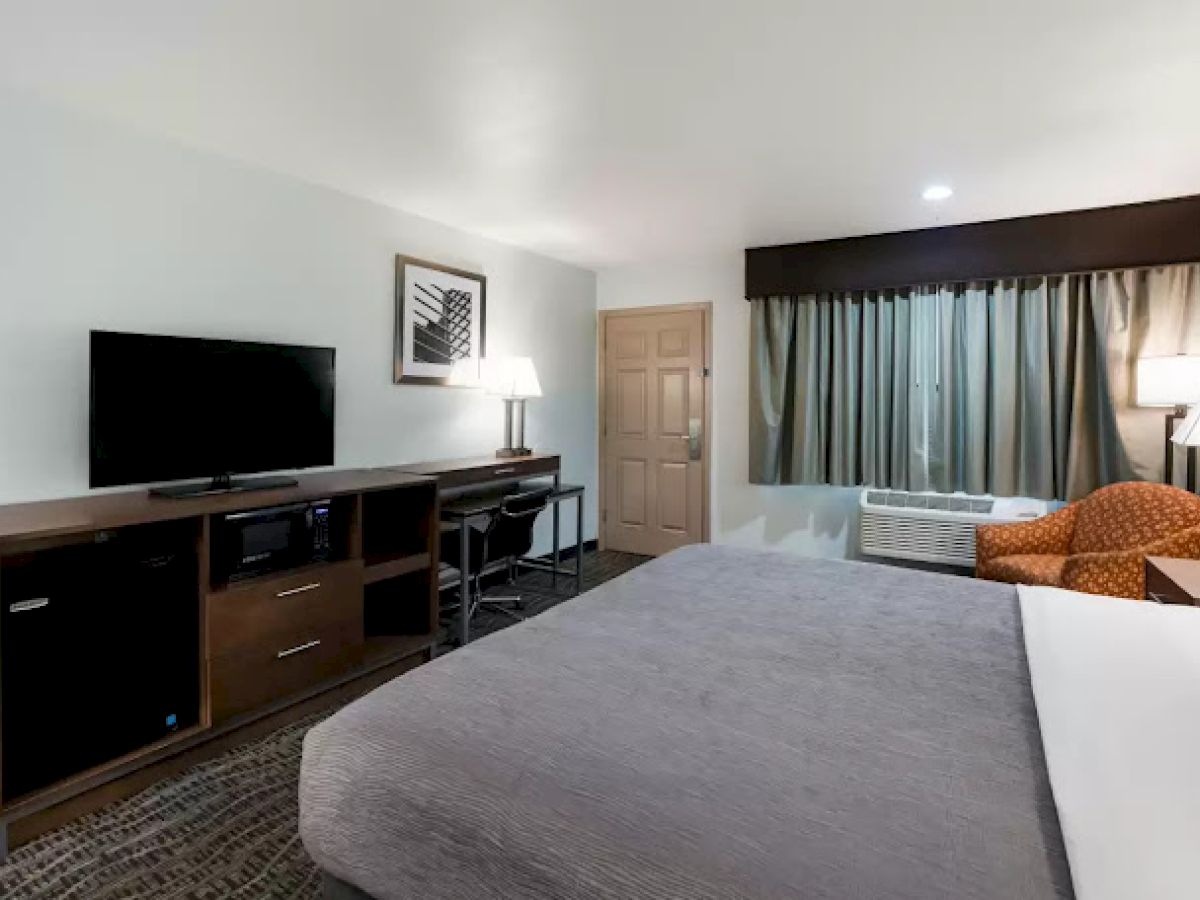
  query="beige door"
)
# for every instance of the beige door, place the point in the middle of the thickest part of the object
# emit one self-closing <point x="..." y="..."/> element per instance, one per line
<point x="654" y="429"/>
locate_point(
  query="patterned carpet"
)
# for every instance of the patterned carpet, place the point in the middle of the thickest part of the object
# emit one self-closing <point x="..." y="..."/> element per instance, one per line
<point x="537" y="595"/>
<point x="225" y="828"/>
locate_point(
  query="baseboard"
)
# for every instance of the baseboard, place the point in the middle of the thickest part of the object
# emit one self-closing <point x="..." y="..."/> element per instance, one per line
<point x="569" y="552"/>
<point x="939" y="568"/>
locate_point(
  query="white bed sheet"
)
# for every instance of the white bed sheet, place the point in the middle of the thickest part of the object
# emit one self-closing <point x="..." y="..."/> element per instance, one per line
<point x="1117" y="687"/>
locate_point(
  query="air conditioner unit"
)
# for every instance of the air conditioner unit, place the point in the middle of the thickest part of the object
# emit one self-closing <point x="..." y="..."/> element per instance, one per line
<point x="931" y="527"/>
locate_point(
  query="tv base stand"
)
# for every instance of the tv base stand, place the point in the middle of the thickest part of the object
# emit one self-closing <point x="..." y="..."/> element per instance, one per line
<point x="224" y="484"/>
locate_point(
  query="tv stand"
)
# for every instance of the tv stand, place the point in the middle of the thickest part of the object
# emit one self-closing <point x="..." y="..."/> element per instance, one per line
<point x="224" y="484"/>
<point x="102" y="592"/>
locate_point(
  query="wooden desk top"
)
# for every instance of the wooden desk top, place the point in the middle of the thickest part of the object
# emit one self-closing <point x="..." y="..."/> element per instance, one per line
<point x="477" y="471"/>
<point x="445" y="466"/>
<point x="96" y="512"/>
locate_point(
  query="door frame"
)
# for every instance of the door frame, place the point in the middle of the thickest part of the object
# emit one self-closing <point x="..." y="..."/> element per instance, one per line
<point x="706" y="310"/>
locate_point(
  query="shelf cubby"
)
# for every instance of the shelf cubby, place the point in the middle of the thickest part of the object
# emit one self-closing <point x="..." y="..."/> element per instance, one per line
<point x="393" y="568"/>
<point x="390" y="531"/>
<point x="398" y="608"/>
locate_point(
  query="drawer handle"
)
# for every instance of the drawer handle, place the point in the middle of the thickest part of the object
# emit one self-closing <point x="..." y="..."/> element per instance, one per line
<point x="291" y="651"/>
<point x="507" y="470"/>
<point x="29" y="605"/>
<point x="300" y="590"/>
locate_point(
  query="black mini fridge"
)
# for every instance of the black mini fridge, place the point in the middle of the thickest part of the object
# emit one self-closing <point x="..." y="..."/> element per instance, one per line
<point x="99" y="652"/>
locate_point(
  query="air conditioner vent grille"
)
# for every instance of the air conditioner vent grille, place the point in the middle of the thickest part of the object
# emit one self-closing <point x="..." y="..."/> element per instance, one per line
<point x="949" y="502"/>
<point x="933" y="527"/>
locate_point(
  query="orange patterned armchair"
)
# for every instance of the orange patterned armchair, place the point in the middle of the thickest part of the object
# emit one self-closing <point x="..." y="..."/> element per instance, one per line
<point x="1098" y="544"/>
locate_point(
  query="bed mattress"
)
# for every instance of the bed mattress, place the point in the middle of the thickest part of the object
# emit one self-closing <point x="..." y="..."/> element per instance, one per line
<point x="716" y="723"/>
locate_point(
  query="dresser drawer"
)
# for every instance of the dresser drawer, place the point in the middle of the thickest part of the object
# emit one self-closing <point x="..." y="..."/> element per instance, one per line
<point x="257" y="615"/>
<point x="302" y="659"/>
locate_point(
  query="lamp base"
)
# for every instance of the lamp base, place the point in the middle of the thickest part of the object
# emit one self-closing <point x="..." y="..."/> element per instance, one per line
<point x="514" y="429"/>
<point x="1180" y="412"/>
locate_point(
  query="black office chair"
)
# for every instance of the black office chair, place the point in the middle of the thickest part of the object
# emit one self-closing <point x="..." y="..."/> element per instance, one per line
<point x="506" y="536"/>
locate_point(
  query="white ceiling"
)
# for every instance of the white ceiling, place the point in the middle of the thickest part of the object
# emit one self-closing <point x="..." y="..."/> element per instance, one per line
<point x="610" y="131"/>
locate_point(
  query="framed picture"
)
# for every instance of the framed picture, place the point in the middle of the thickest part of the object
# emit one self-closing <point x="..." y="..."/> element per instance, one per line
<point x="440" y="313"/>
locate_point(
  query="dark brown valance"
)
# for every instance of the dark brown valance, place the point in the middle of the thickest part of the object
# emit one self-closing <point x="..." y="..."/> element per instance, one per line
<point x="1115" y="237"/>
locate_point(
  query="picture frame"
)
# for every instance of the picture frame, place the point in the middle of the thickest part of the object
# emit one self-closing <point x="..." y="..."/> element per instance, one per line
<point x="441" y="318"/>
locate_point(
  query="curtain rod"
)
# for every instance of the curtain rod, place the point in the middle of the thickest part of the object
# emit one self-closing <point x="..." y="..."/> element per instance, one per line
<point x="921" y="284"/>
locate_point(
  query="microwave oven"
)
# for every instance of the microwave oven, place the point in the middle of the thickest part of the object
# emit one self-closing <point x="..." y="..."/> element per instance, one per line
<point x="270" y="540"/>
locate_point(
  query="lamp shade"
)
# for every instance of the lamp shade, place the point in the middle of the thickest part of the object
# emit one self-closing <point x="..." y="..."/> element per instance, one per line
<point x="511" y="377"/>
<point x="1188" y="432"/>
<point x="1168" y="380"/>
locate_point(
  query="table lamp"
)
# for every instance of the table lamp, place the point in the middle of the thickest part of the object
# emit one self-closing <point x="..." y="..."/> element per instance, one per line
<point x="514" y="380"/>
<point x="1172" y="381"/>
<point x="1188" y="435"/>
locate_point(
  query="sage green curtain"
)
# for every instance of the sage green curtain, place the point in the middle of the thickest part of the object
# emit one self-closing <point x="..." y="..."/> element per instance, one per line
<point x="1016" y="387"/>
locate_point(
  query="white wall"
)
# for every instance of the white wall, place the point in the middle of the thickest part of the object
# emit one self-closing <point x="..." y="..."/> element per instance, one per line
<point x="101" y="227"/>
<point x="812" y="520"/>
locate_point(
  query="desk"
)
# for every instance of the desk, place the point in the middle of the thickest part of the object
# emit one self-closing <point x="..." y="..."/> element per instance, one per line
<point x="477" y="471"/>
<point x="462" y="510"/>
<point x="457" y="477"/>
<point x="472" y="473"/>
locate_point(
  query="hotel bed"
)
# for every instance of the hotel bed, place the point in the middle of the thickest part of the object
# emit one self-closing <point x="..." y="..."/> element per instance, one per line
<point x="731" y="723"/>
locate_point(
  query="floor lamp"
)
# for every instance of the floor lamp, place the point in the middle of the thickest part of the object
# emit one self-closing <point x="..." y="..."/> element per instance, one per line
<point x="1172" y="381"/>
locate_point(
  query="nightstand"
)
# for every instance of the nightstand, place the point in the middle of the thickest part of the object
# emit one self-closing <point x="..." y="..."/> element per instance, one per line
<point x="1171" y="580"/>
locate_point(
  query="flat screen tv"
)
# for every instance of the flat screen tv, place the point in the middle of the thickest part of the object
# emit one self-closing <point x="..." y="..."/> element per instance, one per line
<point x="171" y="408"/>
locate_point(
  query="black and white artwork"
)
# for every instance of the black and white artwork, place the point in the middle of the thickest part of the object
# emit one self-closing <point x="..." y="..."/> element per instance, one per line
<point x="439" y="320"/>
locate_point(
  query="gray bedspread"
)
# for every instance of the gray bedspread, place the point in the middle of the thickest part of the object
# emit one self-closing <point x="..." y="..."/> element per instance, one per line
<point x="716" y="723"/>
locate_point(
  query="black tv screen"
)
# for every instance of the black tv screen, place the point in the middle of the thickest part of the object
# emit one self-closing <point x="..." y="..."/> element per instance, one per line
<point x="171" y="408"/>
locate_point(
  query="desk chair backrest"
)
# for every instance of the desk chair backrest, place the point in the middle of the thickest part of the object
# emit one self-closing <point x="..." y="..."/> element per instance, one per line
<point x="510" y="531"/>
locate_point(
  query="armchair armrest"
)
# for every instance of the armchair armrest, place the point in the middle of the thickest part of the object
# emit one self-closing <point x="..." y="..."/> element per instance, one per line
<point x="1122" y="573"/>
<point x="1119" y="573"/>
<point x="1049" y="534"/>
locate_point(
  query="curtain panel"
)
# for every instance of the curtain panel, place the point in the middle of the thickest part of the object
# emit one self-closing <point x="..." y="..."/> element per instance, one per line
<point x="1016" y="387"/>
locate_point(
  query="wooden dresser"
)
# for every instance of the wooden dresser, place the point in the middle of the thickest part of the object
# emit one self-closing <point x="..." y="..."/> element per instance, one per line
<point x="263" y="650"/>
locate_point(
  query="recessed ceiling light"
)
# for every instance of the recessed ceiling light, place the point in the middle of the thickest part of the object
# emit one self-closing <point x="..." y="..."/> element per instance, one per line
<point x="937" y="192"/>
